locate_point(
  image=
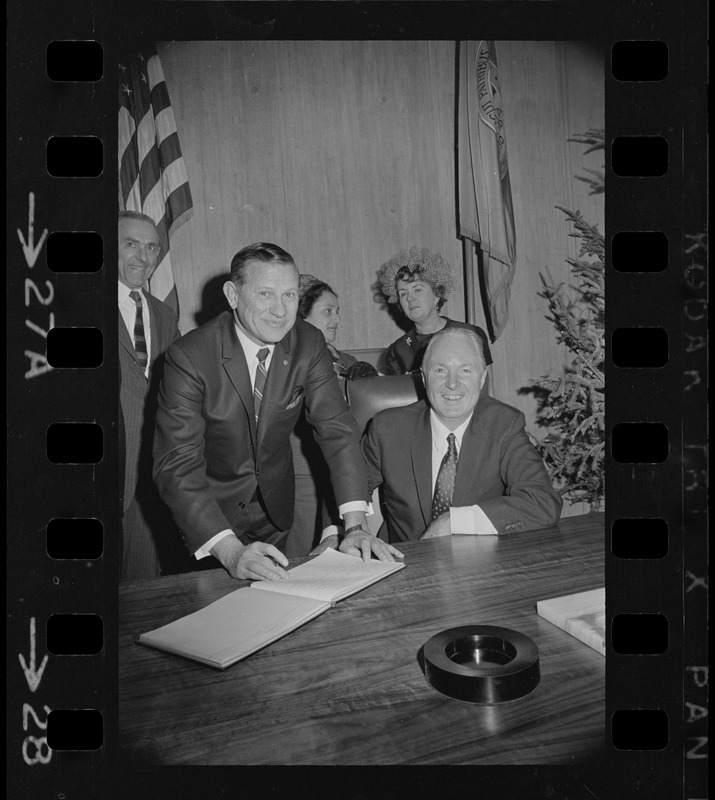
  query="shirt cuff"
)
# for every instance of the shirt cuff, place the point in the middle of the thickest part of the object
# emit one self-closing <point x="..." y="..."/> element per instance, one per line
<point x="470" y="520"/>
<point x="355" y="505"/>
<point x="331" y="530"/>
<point x="205" y="548"/>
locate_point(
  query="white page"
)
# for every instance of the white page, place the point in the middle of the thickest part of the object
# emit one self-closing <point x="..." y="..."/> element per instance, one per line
<point x="331" y="576"/>
<point x="234" y="626"/>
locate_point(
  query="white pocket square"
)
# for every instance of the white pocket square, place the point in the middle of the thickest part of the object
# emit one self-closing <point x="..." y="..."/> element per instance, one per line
<point x="295" y="398"/>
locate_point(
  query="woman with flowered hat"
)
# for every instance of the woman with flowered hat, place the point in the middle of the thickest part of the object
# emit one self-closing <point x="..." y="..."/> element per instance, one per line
<point x="420" y="281"/>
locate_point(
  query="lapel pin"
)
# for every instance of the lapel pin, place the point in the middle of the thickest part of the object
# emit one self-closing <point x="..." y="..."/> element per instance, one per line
<point x="285" y="362"/>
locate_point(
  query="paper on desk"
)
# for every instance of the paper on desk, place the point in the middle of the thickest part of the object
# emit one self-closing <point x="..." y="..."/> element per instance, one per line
<point x="233" y="627"/>
<point x="583" y="615"/>
<point x="331" y="576"/>
<point x="247" y="620"/>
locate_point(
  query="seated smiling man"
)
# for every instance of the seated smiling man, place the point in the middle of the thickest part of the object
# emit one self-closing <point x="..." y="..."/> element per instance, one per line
<point x="457" y="464"/>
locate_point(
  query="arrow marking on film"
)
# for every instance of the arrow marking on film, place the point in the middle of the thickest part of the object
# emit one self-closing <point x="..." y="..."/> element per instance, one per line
<point x="32" y="676"/>
<point x="28" y="247"/>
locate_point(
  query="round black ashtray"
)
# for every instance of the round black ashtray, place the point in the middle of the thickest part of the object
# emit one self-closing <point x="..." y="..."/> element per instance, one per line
<point x="482" y="664"/>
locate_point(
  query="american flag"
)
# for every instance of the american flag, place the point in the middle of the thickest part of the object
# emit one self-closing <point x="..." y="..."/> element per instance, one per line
<point x="152" y="175"/>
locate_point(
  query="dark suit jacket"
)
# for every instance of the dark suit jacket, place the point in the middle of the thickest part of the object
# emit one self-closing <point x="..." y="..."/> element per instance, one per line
<point x="208" y="456"/>
<point x="136" y="391"/>
<point x="498" y="469"/>
<point x="150" y="540"/>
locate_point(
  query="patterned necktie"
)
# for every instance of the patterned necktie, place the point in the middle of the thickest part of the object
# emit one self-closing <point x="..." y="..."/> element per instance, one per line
<point x="444" y="487"/>
<point x="139" y="338"/>
<point x="261" y="355"/>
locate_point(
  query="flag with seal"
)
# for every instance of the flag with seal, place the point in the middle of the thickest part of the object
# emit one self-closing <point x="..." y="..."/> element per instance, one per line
<point x="486" y="213"/>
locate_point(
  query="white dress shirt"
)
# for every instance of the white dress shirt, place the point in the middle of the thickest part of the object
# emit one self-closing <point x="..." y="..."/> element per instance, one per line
<point x="463" y="519"/>
<point x="128" y="310"/>
<point x="250" y="351"/>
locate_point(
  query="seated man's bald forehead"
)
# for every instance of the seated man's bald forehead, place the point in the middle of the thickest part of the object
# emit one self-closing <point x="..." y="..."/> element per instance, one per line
<point x="449" y="338"/>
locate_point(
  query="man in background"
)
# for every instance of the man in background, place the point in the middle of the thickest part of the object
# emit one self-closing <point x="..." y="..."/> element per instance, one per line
<point x="231" y="394"/>
<point x="458" y="463"/>
<point x="146" y="329"/>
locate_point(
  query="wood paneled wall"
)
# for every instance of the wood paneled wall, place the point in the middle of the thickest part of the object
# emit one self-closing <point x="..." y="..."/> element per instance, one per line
<point x="551" y="91"/>
<point x="343" y="153"/>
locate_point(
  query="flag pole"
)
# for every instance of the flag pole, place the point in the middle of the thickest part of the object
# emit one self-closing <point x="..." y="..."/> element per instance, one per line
<point x="470" y="302"/>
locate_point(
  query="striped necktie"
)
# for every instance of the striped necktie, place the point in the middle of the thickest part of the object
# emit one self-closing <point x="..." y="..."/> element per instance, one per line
<point x="261" y="355"/>
<point x="444" y="487"/>
<point x="139" y="337"/>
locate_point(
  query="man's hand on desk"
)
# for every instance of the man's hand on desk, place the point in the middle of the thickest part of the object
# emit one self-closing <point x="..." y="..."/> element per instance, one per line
<point x="358" y="541"/>
<point x="438" y="527"/>
<point x="329" y="541"/>
<point x="363" y="544"/>
<point x="256" y="561"/>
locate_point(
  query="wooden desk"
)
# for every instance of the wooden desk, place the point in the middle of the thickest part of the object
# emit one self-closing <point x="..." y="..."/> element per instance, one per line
<point x="347" y="688"/>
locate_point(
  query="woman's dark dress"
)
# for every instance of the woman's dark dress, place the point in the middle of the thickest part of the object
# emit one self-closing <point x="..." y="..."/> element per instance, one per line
<point x="405" y="354"/>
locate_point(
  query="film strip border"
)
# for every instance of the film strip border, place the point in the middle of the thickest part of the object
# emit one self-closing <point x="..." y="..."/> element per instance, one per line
<point x="655" y="297"/>
<point x="62" y="401"/>
<point x="63" y="524"/>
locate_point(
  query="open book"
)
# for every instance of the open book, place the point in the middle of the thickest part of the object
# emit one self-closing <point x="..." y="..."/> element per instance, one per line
<point x="583" y="615"/>
<point x="251" y="618"/>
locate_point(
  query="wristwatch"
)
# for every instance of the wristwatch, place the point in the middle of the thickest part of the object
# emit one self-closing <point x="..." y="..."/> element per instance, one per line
<point x="354" y="528"/>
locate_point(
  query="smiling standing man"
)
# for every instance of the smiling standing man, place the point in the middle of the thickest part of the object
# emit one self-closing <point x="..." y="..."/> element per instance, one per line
<point x="231" y="395"/>
<point x="460" y="463"/>
<point x="146" y="329"/>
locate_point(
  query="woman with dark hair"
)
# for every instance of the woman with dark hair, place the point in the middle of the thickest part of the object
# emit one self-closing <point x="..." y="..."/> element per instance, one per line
<point x="315" y="506"/>
<point x="421" y="282"/>
<point x="318" y="305"/>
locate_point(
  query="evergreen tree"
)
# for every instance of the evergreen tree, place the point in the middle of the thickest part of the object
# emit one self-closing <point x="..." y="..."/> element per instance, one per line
<point x="571" y="405"/>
